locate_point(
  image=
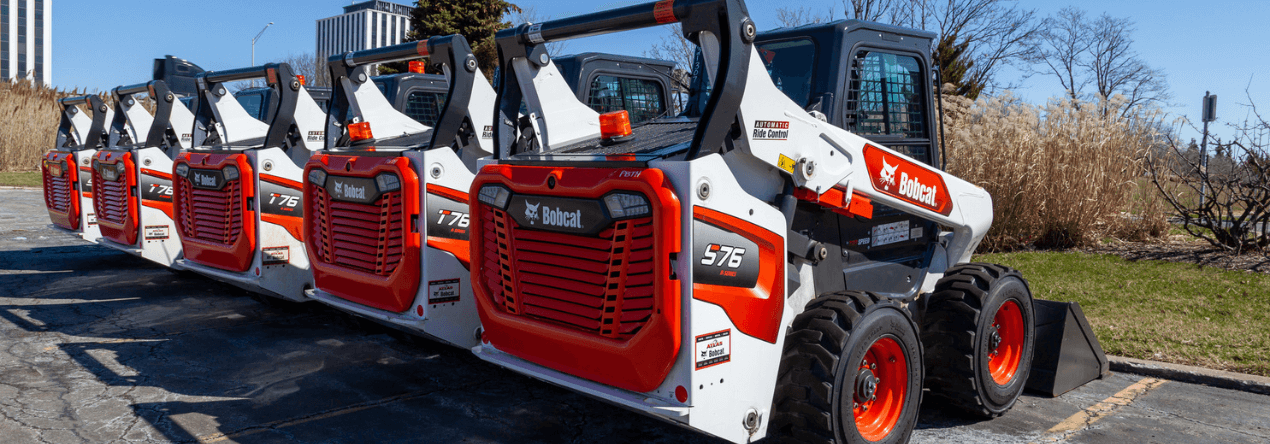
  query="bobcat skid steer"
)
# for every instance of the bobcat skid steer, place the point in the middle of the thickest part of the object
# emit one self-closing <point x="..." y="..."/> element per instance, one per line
<point x="237" y="192"/>
<point x="133" y="199"/>
<point x="68" y="180"/>
<point x="695" y="268"/>
<point x="385" y="203"/>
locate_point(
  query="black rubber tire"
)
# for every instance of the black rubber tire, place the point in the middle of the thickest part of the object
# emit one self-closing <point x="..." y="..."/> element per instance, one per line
<point x="955" y="332"/>
<point x="826" y="343"/>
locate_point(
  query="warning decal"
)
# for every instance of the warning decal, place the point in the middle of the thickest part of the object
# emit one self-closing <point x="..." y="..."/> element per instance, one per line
<point x="440" y="292"/>
<point x="275" y="255"/>
<point x="156" y="232"/>
<point x="712" y="349"/>
<point x="891" y="233"/>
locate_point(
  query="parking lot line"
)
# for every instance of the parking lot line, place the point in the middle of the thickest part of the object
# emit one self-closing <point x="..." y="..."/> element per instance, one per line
<point x="1087" y="417"/>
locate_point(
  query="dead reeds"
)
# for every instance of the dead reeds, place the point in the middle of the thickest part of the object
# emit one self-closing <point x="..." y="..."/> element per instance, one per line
<point x="29" y="115"/>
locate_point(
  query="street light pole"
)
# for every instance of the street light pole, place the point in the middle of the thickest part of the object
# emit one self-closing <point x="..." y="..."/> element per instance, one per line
<point x="253" y="43"/>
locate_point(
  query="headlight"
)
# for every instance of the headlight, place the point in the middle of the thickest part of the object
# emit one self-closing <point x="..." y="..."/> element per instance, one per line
<point x="387" y="182"/>
<point x="317" y="177"/>
<point x="55" y="168"/>
<point x="182" y="169"/>
<point x="494" y="196"/>
<point x="626" y="205"/>
<point x="231" y="173"/>
<point x="119" y="166"/>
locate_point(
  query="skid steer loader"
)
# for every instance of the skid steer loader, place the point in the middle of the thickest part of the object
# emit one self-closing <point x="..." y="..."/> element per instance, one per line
<point x="133" y="199"/>
<point x="66" y="169"/>
<point x="386" y="201"/>
<point x="237" y="191"/>
<point x="748" y="269"/>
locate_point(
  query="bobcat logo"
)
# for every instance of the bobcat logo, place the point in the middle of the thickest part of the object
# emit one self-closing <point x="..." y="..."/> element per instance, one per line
<point x="888" y="173"/>
<point x="531" y="212"/>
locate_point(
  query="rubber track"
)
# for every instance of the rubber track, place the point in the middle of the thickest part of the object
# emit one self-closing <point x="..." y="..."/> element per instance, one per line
<point x="803" y="404"/>
<point x="948" y="333"/>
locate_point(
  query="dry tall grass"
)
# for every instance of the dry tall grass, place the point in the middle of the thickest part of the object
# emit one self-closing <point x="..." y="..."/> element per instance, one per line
<point x="29" y="115"/>
<point x="1061" y="174"/>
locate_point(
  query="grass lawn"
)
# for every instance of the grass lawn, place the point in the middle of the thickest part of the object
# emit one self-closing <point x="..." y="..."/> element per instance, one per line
<point x="1163" y="311"/>
<point x="22" y="179"/>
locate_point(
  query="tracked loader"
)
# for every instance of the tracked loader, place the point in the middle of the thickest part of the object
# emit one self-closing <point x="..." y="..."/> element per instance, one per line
<point x="133" y="199"/>
<point x="237" y="199"/>
<point x="66" y="169"/>
<point x="755" y="267"/>
<point x="386" y="201"/>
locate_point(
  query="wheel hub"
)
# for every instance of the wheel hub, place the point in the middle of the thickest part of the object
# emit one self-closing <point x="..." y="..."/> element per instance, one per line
<point x="866" y="386"/>
<point x="994" y="340"/>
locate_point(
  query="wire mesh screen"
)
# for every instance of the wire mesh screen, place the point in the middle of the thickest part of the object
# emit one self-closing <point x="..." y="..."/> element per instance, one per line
<point x="425" y="107"/>
<point x="887" y="95"/>
<point x="641" y="98"/>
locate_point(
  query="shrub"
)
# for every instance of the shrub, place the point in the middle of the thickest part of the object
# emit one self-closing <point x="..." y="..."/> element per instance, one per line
<point x="1068" y="173"/>
<point x="29" y="115"/>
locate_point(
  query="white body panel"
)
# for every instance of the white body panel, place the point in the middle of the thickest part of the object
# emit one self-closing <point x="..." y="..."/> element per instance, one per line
<point x="157" y="241"/>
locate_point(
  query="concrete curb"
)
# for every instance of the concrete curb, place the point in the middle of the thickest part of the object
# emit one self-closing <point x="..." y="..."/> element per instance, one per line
<point x="1196" y="375"/>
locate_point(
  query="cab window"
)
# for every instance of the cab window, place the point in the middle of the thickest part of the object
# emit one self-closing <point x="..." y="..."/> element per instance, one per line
<point x="790" y="63"/>
<point x="641" y="98"/>
<point x="253" y="103"/>
<point x="425" y="107"/>
<point x="887" y="92"/>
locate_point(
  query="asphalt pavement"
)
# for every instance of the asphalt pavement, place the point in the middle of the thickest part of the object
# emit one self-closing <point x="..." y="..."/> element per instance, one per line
<point x="99" y="346"/>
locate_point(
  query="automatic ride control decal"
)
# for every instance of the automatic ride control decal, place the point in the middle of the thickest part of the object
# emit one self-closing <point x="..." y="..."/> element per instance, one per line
<point x="712" y="349"/>
<point x="770" y="130"/>
<point x="895" y="175"/>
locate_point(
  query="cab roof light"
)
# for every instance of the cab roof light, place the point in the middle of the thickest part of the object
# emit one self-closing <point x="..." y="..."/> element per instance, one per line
<point x="418" y="67"/>
<point x="615" y="126"/>
<point x="360" y="131"/>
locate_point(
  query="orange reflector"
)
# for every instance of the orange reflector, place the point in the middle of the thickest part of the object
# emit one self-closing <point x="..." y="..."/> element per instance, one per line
<point x="360" y="131"/>
<point x="418" y="67"/>
<point x="615" y="124"/>
<point x="271" y="75"/>
<point x="301" y="79"/>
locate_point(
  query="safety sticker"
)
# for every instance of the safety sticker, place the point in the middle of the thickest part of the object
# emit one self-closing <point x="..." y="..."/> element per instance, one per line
<point x="770" y="130"/>
<point x="915" y="233"/>
<point x="92" y="219"/>
<point x="890" y="233"/>
<point x="275" y="255"/>
<point x="156" y="232"/>
<point x="713" y="348"/>
<point x="786" y="164"/>
<point x="444" y="291"/>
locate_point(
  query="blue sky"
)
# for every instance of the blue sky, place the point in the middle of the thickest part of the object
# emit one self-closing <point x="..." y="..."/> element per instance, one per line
<point x="1215" y="45"/>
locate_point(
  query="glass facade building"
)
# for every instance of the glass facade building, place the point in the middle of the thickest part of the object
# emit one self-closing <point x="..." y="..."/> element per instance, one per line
<point x="26" y="39"/>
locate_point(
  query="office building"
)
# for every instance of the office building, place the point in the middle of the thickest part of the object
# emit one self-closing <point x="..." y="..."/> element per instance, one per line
<point x="26" y="36"/>
<point x="365" y="25"/>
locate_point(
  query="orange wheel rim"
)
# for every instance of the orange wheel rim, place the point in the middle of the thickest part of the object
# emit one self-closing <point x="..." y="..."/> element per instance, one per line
<point x="1005" y="343"/>
<point x="881" y="386"/>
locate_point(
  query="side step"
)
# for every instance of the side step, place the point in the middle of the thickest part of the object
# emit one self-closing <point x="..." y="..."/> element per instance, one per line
<point x="1067" y="352"/>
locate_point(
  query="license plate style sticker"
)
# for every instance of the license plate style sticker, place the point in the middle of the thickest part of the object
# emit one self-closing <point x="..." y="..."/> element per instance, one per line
<point x="276" y="255"/>
<point x="712" y="349"/>
<point x="444" y="291"/>
<point x="156" y="232"/>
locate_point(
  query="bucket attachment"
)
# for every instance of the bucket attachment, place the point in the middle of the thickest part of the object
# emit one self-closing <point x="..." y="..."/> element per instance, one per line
<point x="1067" y="353"/>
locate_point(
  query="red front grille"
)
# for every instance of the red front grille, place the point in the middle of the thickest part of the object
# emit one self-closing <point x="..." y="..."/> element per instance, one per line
<point x="211" y="215"/>
<point x="59" y="191"/>
<point x="367" y="238"/>
<point x="110" y="200"/>
<point x="602" y="285"/>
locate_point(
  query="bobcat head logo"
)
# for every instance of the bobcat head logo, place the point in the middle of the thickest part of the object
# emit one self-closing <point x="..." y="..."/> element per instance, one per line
<point x="531" y="212"/>
<point x="888" y="173"/>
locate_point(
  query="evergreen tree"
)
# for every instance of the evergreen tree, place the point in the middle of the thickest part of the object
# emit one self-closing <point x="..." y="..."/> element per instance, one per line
<point x="953" y="64"/>
<point x="475" y="20"/>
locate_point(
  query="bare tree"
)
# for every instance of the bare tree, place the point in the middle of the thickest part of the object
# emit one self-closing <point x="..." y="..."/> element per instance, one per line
<point x="1084" y="53"/>
<point x="1234" y="211"/>
<point x="788" y="17"/>
<point x="676" y="48"/>
<point x="314" y="69"/>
